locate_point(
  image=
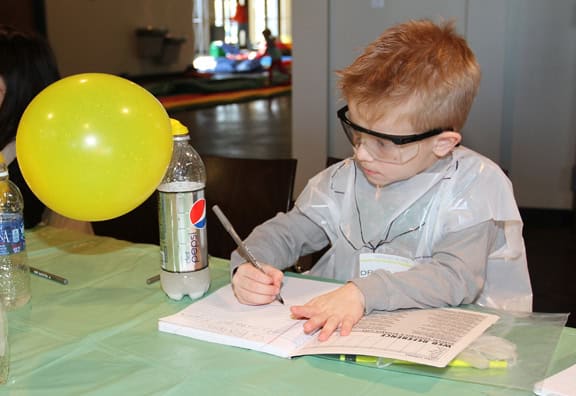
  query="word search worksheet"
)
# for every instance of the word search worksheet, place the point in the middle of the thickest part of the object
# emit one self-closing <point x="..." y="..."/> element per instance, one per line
<point x="426" y="336"/>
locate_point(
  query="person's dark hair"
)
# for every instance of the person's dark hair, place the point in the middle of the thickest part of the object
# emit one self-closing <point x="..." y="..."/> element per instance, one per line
<point x="27" y="65"/>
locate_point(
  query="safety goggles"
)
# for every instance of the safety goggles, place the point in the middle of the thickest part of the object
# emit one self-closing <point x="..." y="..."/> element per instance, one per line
<point x="396" y="149"/>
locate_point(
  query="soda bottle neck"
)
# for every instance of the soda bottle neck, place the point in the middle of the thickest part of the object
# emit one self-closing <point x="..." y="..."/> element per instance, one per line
<point x="181" y="138"/>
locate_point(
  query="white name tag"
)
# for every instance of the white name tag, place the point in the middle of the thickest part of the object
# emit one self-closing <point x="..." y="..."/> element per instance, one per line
<point x="370" y="262"/>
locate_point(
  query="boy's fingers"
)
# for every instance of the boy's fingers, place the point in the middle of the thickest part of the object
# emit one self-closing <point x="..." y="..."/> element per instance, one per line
<point x="346" y="328"/>
<point x="302" y="311"/>
<point x="254" y="293"/>
<point x="250" y="272"/>
<point x="329" y="327"/>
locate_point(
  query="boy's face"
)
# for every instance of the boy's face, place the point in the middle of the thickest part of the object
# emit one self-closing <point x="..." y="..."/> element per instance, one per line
<point x="384" y="162"/>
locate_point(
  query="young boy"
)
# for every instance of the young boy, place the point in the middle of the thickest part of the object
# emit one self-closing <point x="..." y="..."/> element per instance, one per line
<point x="414" y="219"/>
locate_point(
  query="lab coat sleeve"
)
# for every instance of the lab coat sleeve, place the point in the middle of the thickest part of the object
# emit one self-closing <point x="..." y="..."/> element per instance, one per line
<point x="281" y="240"/>
<point x="453" y="275"/>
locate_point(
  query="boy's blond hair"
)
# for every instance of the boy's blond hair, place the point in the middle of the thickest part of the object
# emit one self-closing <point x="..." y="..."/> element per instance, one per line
<point x="426" y="66"/>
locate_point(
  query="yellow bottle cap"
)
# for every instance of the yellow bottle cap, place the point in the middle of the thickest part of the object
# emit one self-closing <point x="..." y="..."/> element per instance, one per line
<point x="177" y="127"/>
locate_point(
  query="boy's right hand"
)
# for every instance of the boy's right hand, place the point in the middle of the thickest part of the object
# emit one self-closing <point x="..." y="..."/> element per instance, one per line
<point x="252" y="287"/>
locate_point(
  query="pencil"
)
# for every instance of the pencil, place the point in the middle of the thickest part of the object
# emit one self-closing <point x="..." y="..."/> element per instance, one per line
<point x="242" y="248"/>
<point x="48" y="275"/>
<point x="153" y="279"/>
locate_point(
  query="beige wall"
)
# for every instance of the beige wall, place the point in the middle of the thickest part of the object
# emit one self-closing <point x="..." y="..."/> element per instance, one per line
<point x="309" y="88"/>
<point x="103" y="34"/>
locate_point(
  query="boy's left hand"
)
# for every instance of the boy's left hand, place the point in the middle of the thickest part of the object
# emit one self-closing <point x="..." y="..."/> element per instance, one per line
<point x="341" y="308"/>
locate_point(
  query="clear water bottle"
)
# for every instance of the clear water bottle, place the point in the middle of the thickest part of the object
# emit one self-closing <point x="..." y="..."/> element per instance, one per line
<point x="182" y="218"/>
<point x="14" y="272"/>
<point x="4" y="347"/>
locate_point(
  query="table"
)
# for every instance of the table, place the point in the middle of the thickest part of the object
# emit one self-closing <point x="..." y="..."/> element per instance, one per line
<point x="98" y="336"/>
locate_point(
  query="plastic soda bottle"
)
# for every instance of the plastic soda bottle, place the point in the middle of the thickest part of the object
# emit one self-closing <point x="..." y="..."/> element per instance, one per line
<point x="182" y="219"/>
<point x="14" y="272"/>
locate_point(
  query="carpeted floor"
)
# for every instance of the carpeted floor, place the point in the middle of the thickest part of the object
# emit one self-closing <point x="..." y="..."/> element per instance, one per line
<point x="196" y="100"/>
<point x="186" y="92"/>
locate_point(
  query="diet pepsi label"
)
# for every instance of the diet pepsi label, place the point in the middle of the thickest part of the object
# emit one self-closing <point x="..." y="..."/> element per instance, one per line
<point x="183" y="237"/>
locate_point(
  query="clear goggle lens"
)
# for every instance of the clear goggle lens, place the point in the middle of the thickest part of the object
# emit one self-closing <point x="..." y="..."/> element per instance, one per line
<point x="383" y="150"/>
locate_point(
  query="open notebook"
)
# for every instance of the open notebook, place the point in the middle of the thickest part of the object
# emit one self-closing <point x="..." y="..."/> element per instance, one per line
<point x="426" y="336"/>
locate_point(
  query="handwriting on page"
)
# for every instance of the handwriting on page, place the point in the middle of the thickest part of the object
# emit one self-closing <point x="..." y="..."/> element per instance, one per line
<point x="253" y="330"/>
<point x="222" y="319"/>
<point x="223" y="315"/>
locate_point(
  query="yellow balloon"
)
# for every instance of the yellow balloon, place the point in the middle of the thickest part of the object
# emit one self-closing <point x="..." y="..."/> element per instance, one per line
<point x="93" y="146"/>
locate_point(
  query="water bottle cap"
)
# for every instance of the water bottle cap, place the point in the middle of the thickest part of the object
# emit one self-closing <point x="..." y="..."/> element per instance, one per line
<point x="177" y="127"/>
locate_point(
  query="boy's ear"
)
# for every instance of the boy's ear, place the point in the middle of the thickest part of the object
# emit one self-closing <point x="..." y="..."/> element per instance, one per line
<point x="445" y="143"/>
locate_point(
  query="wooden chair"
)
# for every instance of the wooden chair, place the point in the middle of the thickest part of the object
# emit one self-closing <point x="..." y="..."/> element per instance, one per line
<point x="332" y="160"/>
<point x="249" y="192"/>
<point x="140" y="225"/>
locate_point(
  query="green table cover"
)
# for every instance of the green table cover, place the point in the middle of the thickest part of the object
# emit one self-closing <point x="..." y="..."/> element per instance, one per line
<point x="98" y="336"/>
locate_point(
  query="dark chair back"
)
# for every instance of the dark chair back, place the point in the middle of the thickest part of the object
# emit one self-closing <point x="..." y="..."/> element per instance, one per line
<point x="249" y="192"/>
<point x="332" y="160"/>
<point x="139" y="225"/>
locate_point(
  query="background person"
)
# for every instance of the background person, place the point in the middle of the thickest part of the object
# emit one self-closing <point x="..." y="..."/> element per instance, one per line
<point x="27" y="66"/>
<point x="271" y="49"/>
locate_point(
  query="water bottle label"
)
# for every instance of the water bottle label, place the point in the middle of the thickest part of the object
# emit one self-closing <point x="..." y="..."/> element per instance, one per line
<point x="183" y="239"/>
<point x="12" y="236"/>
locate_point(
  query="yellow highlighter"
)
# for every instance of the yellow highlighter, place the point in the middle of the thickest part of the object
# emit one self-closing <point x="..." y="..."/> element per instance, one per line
<point x="496" y="364"/>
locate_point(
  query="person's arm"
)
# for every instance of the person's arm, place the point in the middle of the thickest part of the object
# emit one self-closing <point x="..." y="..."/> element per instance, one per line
<point x="54" y="219"/>
<point x="281" y="240"/>
<point x="454" y="275"/>
<point x="276" y="244"/>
